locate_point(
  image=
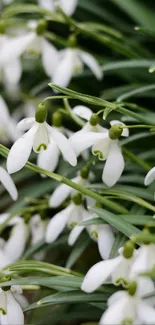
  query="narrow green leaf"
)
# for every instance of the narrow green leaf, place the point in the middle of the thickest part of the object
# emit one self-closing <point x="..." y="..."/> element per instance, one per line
<point x="78" y="250"/>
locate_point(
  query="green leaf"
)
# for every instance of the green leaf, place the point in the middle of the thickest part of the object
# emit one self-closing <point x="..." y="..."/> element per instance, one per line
<point x="78" y="249"/>
<point x="120" y="239"/>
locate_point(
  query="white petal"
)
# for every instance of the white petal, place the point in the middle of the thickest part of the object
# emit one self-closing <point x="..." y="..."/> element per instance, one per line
<point x="125" y="132"/>
<point x="102" y="148"/>
<point x="69" y="6"/>
<point x="92" y="63"/>
<point x="57" y="225"/>
<point x="64" y="72"/>
<point x="5" y="116"/>
<point x="15" y="245"/>
<point x="20" y="151"/>
<point x="3" y="302"/>
<point x="64" y="145"/>
<point x="4" y="259"/>
<point x="74" y="234"/>
<point x="46" y="4"/>
<point x="83" y="140"/>
<point x="41" y="139"/>
<point x="105" y="240"/>
<point x="26" y="123"/>
<point x="37" y="227"/>
<point x="150" y="177"/>
<point x="114" y="166"/>
<point x="122" y="271"/>
<point x="49" y="158"/>
<point x="12" y="72"/>
<point x="60" y="194"/>
<point x="145" y="286"/>
<point x="14" y="312"/>
<point x="8" y="183"/>
<point x="144" y="260"/>
<point x="98" y="274"/>
<point x="82" y="111"/>
<point x="50" y="58"/>
<point x="116" y="296"/>
<point x="23" y="302"/>
<point x="15" y="47"/>
<point x="146" y="313"/>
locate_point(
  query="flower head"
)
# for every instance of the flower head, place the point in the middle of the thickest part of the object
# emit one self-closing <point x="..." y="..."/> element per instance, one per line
<point x="10" y="310"/>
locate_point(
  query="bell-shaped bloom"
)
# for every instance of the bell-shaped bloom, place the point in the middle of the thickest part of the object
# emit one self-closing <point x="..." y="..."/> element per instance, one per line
<point x="103" y="147"/>
<point x="68" y="6"/>
<point x="39" y="136"/>
<point x="8" y="183"/>
<point x="144" y="260"/>
<point x="70" y="217"/>
<point x="150" y="177"/>
<point x="8" y="129"/>
<point x="71" y="61"/>
<point x="118" y="269"/>
<point x="124" y="308"/>
<point x="37" y="229"/>
<point x="15" y="245"/>
<point x="63" y="191"/>
<point x="10" y="310"/>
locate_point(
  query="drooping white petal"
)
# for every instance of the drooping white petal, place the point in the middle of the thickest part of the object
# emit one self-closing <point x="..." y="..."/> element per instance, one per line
<point x="50" y="58"/>
<point x="15" y="47"/>
<point x="145" y="313"/>
<point x="69" y="6"/>
<point x="41" y="138"/>
<point x="4" y="259"/>
<point x="14" y="312"/>
<point x="65" y="69"/>
<point x="74" y="234"/>
<point x="144" y="260"/>
<point x="125" y="132"/>
<point x="5" y="116"/>
<point x="49" y="158"/>
<point x="15" y="245"/>
<point x="105" y="240"/>
<point x="46" y="4"/>
<point x="82" y="111"/>
<point x="92" y="63"/>
<point x="98" y="273"/>
<point x="37" y="227"/>
<point x="57" y="224"/>
<point x="26" y="123"/>
<point x="60" y="194"/>
<point x="150" y="177"/>
<point x="64" y="145"/>
<point x="12" y="72"/>
<point x="3" y="302"/>
<point x="122" y="271"/>
<point x="116" y="296"/>
<point x="114" y="165"/>
<point x="83" y="140"/>
<point x="21" y="150"/>
<point x="23" y="302"/>
<point x="144" y="286"/>
<point x="8" y="183"/>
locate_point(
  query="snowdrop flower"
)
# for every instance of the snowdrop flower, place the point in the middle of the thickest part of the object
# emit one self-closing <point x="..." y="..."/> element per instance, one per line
<point x="129" y="308"/>
<point x="68" y="6"/>
<point x="150" y="177"/>
<point x="18" y="295"/>
<point x="39" y="136"/>
<point x="8" y="183"/>
<point x="105" y="146"/>
<point x="31" y="41"/>
<point x="10" y="310"/>
<point x="71" y="61"/>
<point x="4" y="259"/>
<point x="37" y="229"/>
<point x="8" y="129"/>
<point x="70" y="216"/>
<point x="144" y="260"/>
<point x="117" y="269"/>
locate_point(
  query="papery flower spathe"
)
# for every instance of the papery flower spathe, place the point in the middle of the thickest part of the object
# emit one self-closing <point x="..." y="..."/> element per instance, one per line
<point x="8" y="183"/>
<point x="68" y="6"/>
<point x="71" y="61"/>
<point x="39" y="136"/>
<point x="104" y="147"/>
<point x="10" y="310"/>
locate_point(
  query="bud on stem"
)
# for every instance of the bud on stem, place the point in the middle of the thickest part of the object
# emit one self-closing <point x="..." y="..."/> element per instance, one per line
<point x="77" y="198"/>
<point x="115" y="132"/>
<point x="128" y="249"/>
<point x="41" y="113"/>
<point x="94" y="120"/>
<point x="57" y="119"/>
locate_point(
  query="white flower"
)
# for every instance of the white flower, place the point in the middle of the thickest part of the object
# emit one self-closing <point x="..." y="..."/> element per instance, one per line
<point x="117" y="269"/>
<point x="71" y="61"/>
<point x="144" y="260"/>
<point x="68" y="6"/>
<point x="39" y="136"/>
<point x="70" y="216"/>
<point x="104" y="147"/>
<point x="8" y="129"/>
<point x="37" y="228"/>
<point x="8" y="183"/>
<point x="150" y="177"/>
<point x="63" y="191"/>
<point x="10" y="310"/>
<point x="124" y="308"/>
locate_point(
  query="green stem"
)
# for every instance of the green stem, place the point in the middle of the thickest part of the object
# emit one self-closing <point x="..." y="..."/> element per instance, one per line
<point x="55" y="97"/>
<point x="75" y="118"/>
<point x="111" y="205"/>
<point x="137" y="126"/>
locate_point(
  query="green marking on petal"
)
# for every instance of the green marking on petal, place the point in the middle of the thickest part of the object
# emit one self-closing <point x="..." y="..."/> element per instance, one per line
<point x="41" y="147"/>
<point x="94" y="234"/>
<point x="3" y="311"/>
<point x="73" y="224"/>
<point x="122" y="282"/>
<point x="127" y="321"/>
<point x="99" y="154"/>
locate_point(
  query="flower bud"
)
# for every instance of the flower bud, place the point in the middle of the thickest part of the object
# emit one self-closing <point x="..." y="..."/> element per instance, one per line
<point x="57" y="119"/>
<point x="115" y="131"/>
<point x="41" y="113"/>
<point x="72" y="41"/>
<point x="41" y="27"/>
<point x="84" y="172"/>
<point x="132" y="288"/>
<point x="94" y="120"/>
<point x="77" y="198"/>
<point x="128" y="249"/>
